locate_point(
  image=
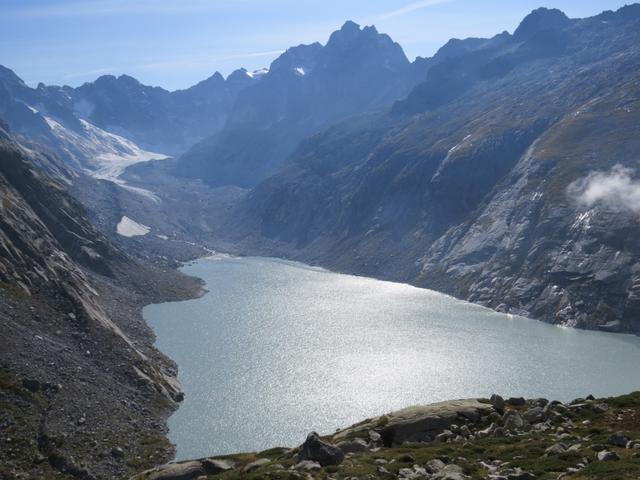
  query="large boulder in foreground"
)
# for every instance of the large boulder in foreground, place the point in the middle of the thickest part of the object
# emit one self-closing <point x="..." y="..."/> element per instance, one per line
<point x="190" y="470"/>
<point x="317" y="450"/>
<point x="420" y="423"/>
<point x="179" y="471"/>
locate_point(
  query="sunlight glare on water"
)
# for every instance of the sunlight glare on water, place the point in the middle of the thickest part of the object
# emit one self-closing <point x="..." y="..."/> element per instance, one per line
<point x="278" y="349"/>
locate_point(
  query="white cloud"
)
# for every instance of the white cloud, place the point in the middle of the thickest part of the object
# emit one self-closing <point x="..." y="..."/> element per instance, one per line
<point x="614" y="189"/>
<point x="412" y="7"/>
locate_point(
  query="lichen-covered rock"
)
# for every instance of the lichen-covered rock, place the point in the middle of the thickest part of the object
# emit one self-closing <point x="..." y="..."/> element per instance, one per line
<point x="179" y="471"/>
<point x="421" y="423"/>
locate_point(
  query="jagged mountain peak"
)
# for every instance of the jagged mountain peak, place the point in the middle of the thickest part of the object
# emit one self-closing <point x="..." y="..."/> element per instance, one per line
<point x="119" y="81"/>
<point x="541" y="19"/>
<point x="214" y="81"/>
<point x="351" y="33"/>
<point x="301" y="56"/>
<point x="353" y="45"/>
<point x="8" y="76"/>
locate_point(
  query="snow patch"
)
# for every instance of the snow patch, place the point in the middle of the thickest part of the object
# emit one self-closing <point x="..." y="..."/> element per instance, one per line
<point x="104" y="155"/>
<point x="130" y="228"/>
<point x="258" y="73"/>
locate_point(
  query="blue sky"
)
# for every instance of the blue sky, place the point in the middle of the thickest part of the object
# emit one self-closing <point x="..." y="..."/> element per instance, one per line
<point x="176" y="43"/>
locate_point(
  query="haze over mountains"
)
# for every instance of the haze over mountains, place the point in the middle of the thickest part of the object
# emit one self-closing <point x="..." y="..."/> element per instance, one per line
<point x="450" y="172"/>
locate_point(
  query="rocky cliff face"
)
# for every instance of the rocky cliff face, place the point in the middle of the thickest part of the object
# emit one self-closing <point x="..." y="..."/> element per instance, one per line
<point x="483" y="183"/>
<point x="307" y="88"/>
<point x="82" y="392"/>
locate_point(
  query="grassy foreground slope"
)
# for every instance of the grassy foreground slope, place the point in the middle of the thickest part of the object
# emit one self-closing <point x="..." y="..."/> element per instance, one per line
<point x="474" y="439"/>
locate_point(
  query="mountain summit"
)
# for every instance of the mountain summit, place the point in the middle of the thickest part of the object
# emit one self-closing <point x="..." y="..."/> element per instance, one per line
<point x="539" y="20"/>
<point x="308" y="88"/>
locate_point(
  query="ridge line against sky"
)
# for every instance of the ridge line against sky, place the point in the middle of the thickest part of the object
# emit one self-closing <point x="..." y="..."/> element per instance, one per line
<point x="177" y="44"/>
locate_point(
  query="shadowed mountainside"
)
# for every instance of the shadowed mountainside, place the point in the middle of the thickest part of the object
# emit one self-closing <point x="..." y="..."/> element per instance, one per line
<point x="468" y="185"/>
<point x="82" y="392"/>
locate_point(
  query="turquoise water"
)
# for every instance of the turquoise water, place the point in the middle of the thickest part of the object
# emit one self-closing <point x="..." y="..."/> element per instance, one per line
<point x="277" y="349"/>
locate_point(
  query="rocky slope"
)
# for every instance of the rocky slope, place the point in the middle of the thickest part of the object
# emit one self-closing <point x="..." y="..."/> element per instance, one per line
<point x="505" y="178"/>
<point x="306" y="89"/>
<point x="476" y="439"/>
<point x="82" y="392"/>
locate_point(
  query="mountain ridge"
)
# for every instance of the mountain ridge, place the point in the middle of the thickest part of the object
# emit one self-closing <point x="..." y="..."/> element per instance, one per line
<point x="399" y="195"/>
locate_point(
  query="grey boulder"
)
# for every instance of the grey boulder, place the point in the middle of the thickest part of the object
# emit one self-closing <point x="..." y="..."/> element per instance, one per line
<point x="179" y="471"/>
<point x="317" y="450"/>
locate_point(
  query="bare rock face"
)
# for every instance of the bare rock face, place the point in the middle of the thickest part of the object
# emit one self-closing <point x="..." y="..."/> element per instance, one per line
<point x="317" y="450"/>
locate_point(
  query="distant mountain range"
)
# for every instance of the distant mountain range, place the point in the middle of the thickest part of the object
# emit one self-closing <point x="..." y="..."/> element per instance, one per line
<point x="118" y="119"/>
<point x="307" y="88"/>
<point x="472" y="172"/>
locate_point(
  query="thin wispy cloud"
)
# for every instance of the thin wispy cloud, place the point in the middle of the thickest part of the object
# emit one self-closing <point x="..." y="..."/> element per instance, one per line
<point x="168" y="64"/>
<point x="198" y="60"/>
<point x="116" y="7"/>
<point x="412" y="7"/>
<point x="97" y="71"/>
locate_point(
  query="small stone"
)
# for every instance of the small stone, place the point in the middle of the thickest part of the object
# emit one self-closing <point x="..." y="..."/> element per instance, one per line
<point x="434" y="466"/>
<point x="607" y="456"/>
<point x="261" y="462"/>
<point x="308" y="465"/>
<point x="117" y="452"/>
<point x="497" y="401"/>
<point x="521" y="476"/>
<point x="600" y="407"/>
<point x="179" y="471"/>
<point x="31" y="385"/>
<point x="214" y="466"/>
<point x="444" y="436"/>
<point x="406" y="458"/>
<point x="450" y="472"/>
<point x="618" y="439"/>
<point x="516" y="401"/>
<point x="556" y="449"/>
<point x="534" y="415"/>
<point x="179" y="397"/>
<point x="512" y="420"/>
<point x="353" y="446"/>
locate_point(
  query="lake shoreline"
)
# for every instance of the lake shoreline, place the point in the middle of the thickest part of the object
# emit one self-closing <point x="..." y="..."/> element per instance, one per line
<point x="314" y="271"/>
